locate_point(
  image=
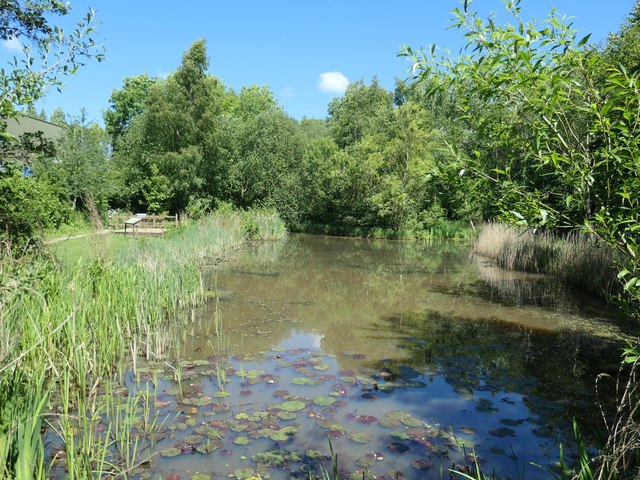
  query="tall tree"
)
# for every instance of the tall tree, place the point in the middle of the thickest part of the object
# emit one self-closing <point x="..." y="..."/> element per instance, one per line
<point x="126" y="103"/>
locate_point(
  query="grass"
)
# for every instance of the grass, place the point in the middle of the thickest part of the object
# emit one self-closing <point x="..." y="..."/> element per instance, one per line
<point x="576" y="258"/>
<point x="66" y="325"/>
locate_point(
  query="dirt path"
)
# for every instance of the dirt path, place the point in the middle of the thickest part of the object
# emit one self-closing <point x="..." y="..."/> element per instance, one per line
<point x="71" y="237"/>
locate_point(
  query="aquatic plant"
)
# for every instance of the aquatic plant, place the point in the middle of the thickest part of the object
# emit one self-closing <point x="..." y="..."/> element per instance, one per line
<point x="67" y="327"/>
<point x="576" y="258"/>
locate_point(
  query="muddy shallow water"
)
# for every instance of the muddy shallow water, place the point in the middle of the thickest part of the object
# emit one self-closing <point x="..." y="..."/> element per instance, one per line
<point x="404" y="358"/>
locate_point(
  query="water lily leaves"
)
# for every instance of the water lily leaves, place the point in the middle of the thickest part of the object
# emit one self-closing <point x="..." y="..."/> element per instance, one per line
<point x="284" y="415"/>
<point x="283" y="434"/>
<point x="305" y="381"/>
<point x="291" y="406"/>
<point x="209" y="431"/>
<point x="322" y="367"/>
<point x="402" y="436"/>
<point x="359" y="437"/>
<point x="509" y="422"/>
<point x="366" y="419"/>
<point x="389" y="422"/>
<point x="276" y="458"/>
<point x="330" y="424"/>
<point x="196" y="401"/>
<point x="221" y="394"/>
<point x="251" y="373"/>
<point x="486" y="406"/>
<point x="348" y="379"/>
<point x="398" y="448"/>
<point x="193" y="439"/>
<point x="243" y="473"/>
<point x="502" y="432"/>
<point x="422" y="465"/>
<point x="170" y="452"/>
<point x="323" y="401"/>
<point x="238" y="427"/>
<point x="468" y="430"/>
<point x="209" y="446"/>
<point x="241" y="440"/>
<point x="403" y="418"/>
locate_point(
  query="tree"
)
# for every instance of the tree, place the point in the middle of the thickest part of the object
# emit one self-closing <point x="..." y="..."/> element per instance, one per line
<point x="81" y="166"/>
<point x="127" y="103"/>
<point x="49" y="52"/>
<point x="574" y="139"/>
<point x="362" y="110"/>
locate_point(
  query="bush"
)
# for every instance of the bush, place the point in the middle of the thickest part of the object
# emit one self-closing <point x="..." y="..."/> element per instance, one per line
<point x="29" y="206"/>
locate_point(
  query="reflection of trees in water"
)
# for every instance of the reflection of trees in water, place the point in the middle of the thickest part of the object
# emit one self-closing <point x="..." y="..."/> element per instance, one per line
<point x="335" y="287"/>
<point x="554" y="371"/>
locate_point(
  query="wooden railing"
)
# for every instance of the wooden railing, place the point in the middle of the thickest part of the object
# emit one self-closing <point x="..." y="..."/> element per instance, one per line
<point x="148" y="225"/>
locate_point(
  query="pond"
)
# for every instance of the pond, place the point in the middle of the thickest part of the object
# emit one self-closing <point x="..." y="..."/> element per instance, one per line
<point x="406" y="359"/>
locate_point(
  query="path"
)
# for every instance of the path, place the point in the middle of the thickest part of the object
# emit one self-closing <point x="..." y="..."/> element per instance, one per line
<point x="71" y="237"/>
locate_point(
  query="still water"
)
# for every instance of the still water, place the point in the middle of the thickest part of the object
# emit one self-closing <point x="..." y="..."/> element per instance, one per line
<point x="405" y="358"/>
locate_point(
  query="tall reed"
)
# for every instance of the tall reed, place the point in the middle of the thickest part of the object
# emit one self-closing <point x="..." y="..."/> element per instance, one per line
<point x="576" y="258"/>
<point x="68" y="328"/>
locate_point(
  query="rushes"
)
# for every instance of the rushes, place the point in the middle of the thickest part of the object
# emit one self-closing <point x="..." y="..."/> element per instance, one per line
<point x="576" y="258"/>
<point x="67" y="328"/>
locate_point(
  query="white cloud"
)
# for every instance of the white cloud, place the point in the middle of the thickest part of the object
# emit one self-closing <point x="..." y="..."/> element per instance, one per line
<point x="13" y="44"/>
<point x="333" y="82"/>
<point x="288" y="92"/>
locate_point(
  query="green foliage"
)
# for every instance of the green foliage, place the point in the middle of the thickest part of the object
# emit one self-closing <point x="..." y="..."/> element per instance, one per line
<point x="80" y="167"/>
<point x="561" y="149"/>
<point x="29" y="206"/>
<point x="49" y="51"/>
<point x="127" y="103"/>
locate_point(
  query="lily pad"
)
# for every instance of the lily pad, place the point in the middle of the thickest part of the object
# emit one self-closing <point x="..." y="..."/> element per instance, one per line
<point x="322" y="367"/>
<point x="359" y="437"/>
<point x="486" y="406"/>
<point x="509" y="422"/>
<point x="405" y="418"/>
<point x="291" y="406"/>
<point x="196" y="401"/>
<point x="243" y="473"/>
<point x="323" y="401"/>
<point x="400" y="436"/>
<point x="502" y="432"/>
<point x="305" y="381"/>
<point x="398" y="448"/>
<point x="241" y="440"/>
<point x="170" y="452"/>
<point x="389" y="422"/>
<point x="422" y="465"/>
<point x="209" y="446"/>
<point x="468" y="430"/>
<point x="366" y="419"/>
<point x="193" y="439"/>
<point x="284" y="415"/>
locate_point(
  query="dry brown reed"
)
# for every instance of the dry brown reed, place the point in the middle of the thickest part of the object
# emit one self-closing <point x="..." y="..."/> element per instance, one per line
<point x="577" y="258"/>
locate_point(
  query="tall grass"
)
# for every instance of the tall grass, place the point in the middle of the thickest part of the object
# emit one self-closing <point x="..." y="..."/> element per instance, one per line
<point x="576" y="258"/>
<point x="66" y="329"/>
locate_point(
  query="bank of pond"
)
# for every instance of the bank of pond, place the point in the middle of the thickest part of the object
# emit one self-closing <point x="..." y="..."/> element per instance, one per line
<point x="202" y="356"/>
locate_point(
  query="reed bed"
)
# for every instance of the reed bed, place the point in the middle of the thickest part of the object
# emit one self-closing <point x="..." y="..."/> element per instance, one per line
<point x="576" y="258"/>
<point x="66" y="330"/>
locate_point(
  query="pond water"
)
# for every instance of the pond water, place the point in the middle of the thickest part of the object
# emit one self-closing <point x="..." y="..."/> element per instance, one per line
<point x="404" y="358"/>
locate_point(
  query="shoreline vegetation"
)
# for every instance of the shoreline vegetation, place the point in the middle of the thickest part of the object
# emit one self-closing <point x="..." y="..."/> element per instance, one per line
<point x="577" y="259"/>
<point x="67" y="326"/>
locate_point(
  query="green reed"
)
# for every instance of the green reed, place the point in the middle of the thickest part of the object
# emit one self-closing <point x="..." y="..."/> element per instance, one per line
<point x="67" y="328"/>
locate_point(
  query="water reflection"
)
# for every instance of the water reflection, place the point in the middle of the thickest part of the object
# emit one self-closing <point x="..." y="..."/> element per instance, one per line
<point x="499" y="360"/>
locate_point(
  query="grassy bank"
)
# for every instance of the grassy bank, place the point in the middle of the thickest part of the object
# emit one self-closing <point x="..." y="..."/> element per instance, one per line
<point x="65" y="328"/>
<point x="576" y="258"/>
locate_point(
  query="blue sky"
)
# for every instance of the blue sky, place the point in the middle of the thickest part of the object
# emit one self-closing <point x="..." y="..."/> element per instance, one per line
<point x="287" y="45"/>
